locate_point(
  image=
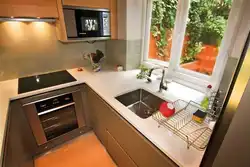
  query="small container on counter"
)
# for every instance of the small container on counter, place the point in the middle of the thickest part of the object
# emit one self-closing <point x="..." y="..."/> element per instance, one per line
<point x="119" y="68"/>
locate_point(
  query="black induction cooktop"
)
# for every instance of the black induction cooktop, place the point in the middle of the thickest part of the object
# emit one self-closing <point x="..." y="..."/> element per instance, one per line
<point x="32" y="83"/>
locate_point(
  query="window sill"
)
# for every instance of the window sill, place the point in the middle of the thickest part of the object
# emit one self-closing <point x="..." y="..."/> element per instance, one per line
<point x="154" y="64"/>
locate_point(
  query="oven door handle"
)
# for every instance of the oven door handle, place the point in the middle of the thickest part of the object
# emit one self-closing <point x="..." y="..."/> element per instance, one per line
<point x="54" y="109"/>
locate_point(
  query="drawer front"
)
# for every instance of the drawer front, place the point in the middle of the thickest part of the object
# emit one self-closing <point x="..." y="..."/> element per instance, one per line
<point x="58" y="130"/>
<point x="120" y="157"/>
<point x="136" y="145"/>
<point x="59" y="116"/>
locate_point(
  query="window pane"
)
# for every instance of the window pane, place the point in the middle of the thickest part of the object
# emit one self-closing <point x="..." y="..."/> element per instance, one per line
<point x="207" y="21"/>
<point x="161" y="30"/>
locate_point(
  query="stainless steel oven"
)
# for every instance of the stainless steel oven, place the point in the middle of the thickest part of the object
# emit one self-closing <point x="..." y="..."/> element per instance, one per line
<point x="54" y="114"/>
<point x="57" y="115"/>
<point x="86" y="23"/>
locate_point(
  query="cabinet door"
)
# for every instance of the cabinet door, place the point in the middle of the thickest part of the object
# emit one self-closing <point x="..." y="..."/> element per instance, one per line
<point x="120" y="157"/>
<point x="98" y="117"/>
<point x="28" y="8"/>
<point x="88" y="3"/>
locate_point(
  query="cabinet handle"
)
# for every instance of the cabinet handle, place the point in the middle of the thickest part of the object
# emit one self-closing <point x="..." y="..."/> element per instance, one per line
<point x="49" y="119"/>
<point x="54" y="109"/>
<point x="53" y="126"/>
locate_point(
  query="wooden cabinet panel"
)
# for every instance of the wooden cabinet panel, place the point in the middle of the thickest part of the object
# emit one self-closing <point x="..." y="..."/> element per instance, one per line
<point x="141" y="151"/>
<point x="121" y="158"/>
<point x="113" y="18"/>
<point x="88" y="3"/>
<point x="29" y="8"/>
<point x="98" y="116"/>
<point x="136" y="145"/>
<point x="19" y="144"/>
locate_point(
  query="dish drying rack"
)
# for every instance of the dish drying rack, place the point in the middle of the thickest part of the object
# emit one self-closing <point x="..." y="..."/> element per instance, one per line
<point x="181" y="124"/>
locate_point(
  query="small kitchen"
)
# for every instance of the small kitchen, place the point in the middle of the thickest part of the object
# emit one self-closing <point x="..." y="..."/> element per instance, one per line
<point x="87" y="83"/>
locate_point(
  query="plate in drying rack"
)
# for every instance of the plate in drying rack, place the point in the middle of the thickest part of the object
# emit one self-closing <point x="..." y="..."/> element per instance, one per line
<point x="181" y="124"/>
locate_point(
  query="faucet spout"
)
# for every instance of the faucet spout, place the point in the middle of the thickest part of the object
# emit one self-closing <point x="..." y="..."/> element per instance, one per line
<point x="162" y="83"/>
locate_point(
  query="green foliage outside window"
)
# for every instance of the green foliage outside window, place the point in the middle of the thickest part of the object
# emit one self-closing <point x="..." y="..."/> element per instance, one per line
<point x="163" y="17"/>
<point x="206" y="24"/>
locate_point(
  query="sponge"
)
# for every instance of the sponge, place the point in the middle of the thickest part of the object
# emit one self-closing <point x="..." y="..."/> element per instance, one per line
<point x="199" y="116"/>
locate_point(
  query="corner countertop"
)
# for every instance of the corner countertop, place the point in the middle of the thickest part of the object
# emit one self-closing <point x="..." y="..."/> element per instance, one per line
<point x="109" y="84"/>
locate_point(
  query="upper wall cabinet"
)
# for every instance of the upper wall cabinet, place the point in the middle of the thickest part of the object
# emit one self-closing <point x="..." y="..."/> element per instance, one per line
<point x="88" y="3"/>
<point x="101" y="4"/>
<point x="28" y="8"/>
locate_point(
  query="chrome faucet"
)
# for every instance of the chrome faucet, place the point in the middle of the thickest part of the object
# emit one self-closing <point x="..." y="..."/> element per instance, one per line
<point x="162" y="83"/>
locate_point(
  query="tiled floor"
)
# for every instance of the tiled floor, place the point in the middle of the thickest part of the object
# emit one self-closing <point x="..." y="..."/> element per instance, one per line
<point x="85" y="151"/>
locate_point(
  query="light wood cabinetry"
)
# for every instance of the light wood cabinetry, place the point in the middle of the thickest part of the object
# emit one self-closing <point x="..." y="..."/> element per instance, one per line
<point x="88" y="3"/>
<point x="107" y="4"/>
<point x="60" y="23"/>
<point x="28" y="8"/>
<point x="115" y="131"/>
<point x="114" y="21"/>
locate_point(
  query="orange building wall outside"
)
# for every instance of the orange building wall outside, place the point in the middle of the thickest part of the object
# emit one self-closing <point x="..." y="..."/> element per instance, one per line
<point x="205" y="60"/>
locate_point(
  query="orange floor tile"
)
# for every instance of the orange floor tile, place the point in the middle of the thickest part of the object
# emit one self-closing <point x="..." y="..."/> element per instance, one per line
<point x="85" y="151"/>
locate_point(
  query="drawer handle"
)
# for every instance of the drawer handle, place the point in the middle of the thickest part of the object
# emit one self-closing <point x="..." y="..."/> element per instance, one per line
<point x="53" y="126"/>
<point x="50" y="119"/>
<point x="54" y="109"/>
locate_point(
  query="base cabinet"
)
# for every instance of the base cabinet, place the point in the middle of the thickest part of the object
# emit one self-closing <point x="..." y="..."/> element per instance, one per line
<point x="98" y="116"/>
<point x="19" y="144"/>
<point x="120" y="157"/>
<point x="120" y="138"/>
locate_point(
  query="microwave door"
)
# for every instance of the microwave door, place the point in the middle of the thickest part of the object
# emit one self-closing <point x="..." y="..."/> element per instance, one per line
<point x="88" y="23"/>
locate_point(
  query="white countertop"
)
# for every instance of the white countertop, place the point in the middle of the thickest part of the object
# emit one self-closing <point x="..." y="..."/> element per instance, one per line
<point x="109" y="84"/>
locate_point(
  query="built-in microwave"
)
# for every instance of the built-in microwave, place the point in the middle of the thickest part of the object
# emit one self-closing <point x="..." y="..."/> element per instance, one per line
<point x="87" y="23"/>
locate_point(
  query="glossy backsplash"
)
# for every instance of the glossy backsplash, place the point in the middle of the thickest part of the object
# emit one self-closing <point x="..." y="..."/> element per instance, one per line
<point x="32" y="48"/>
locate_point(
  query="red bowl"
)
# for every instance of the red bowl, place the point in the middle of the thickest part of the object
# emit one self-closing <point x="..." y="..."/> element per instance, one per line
<point x="167" y="109"/>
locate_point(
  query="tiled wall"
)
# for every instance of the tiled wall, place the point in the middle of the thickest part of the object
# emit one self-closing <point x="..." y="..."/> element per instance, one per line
<point x="32" y="48"/>
<point x="127" y="50"/>
<point x="133" y="59"/>
<point x="116" y="51"/>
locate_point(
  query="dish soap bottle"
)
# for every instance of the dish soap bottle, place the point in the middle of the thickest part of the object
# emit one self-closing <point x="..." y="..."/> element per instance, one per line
<point x="205" y="101"/>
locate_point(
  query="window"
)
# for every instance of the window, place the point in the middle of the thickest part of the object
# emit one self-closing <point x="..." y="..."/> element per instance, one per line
<point x="207" y="20"/>
<point x="161" y="29"/>
<point x="191" y="38"/>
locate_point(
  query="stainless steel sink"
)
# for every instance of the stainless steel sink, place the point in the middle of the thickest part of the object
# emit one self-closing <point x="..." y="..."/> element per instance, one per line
<point x="141" y="102"/>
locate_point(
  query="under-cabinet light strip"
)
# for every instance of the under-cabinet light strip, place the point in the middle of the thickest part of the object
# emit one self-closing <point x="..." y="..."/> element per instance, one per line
<point x="27" y="19"/>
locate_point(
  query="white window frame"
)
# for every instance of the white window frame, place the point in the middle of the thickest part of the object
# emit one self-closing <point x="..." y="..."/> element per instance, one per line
<point x="190" y="78"/>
